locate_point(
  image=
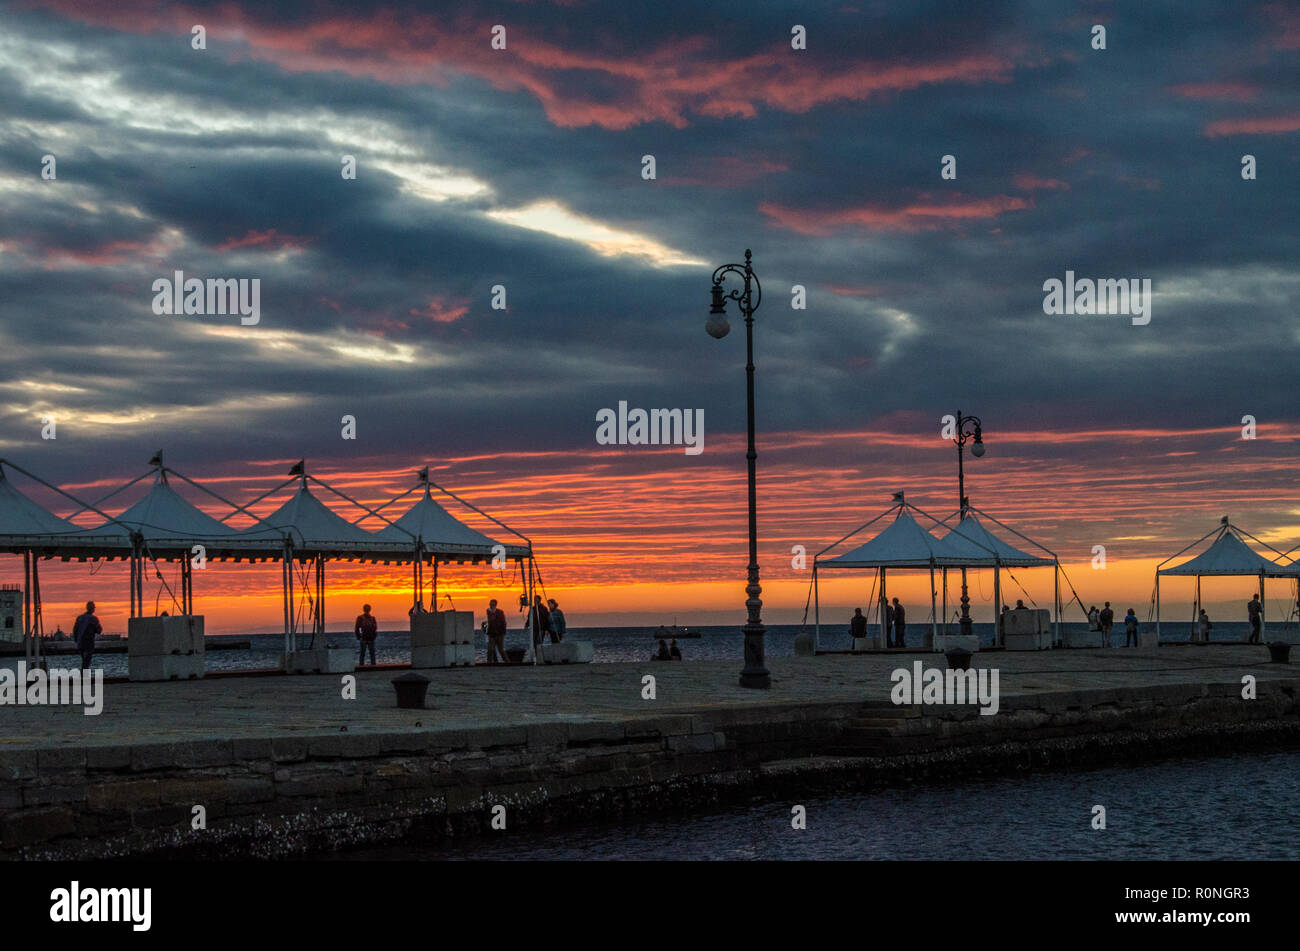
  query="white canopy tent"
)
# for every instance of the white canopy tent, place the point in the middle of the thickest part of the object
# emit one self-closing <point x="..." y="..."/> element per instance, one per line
<point x="1227" y="555"/>
<point x="902" y="544"/>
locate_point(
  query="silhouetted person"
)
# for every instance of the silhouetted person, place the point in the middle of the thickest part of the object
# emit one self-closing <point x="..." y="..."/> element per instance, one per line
<point x="496" y="633"/>
<point x="1094" y="622"/>
<point x="1130" y="629"/>
<point x="1020" y="605"/>
<point x="900" y="624"/>
<point x="558" y="625"/>
<point x="1203" y="627"/>
<point x="1107" y="621"/>
<point x="84" y="633"/>
<point x="1255" y="612"/>
<point x="367" y="629"/>
<point x="857" y="624"/>
<point x="540" y="621"/>
<point x="674" y="651"/>
<point x="663" y="651"/>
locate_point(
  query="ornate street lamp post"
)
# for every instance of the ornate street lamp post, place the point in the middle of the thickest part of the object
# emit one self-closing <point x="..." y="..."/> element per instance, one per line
<point x="965" y="432"/>
<point x="748" y="296"/>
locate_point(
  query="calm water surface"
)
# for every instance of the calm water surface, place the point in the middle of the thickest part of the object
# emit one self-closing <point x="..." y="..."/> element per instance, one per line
<point x="1241" y="807"/>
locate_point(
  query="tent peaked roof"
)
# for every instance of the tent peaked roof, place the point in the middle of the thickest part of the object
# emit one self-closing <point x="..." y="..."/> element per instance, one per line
<point x="438" y="528"/>
<point x="1229" y="555"/>
<point x="309" y="523"/>
<point x="904" y="544"/>
<point x="972" y="539"/>
<point x="19" y="515"/>
<point x="164" y="515"/>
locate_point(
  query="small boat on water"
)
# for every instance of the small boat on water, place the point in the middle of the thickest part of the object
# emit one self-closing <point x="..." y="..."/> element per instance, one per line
<point x="674" y="631"/>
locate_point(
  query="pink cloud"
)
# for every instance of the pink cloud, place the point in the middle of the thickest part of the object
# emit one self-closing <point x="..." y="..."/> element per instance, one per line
<point x="270" y="240"/>
<point x="1027" y="181"/>
<point x="922" y="214"/>
<point x="440" y="311"/>
<point x="1234" y="91"/>
<point x="1263" y="125"/>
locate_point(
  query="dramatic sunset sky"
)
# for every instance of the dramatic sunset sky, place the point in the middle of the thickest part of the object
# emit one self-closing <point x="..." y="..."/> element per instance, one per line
<point x="522" y="167"/>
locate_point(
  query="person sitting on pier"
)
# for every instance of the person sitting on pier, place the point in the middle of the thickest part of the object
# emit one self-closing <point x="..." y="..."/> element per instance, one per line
<point x="1131" y="629"/>
<point x="663" y="651"/>
<point x="674" y="651"/>
<point x="558" y="625"/>
<point x="1020" y="605"/>
<point x="857" y="625"/>
<point x="367" y="630"/>
<point x="84" y="633"/>
<point x="1255" y="613"/>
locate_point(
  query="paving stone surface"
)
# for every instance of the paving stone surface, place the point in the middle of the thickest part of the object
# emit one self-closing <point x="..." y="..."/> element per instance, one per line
<point x="246" y="710"/>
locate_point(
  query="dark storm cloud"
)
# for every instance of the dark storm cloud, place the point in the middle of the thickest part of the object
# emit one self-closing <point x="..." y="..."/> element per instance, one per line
<point x="923" y="294"/>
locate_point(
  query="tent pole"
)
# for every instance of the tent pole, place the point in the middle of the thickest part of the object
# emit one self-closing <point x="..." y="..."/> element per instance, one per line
<point x="1157" y="606"/>
<point x="885" y="633"/>
<point x="1056" y="585"/>
<point x="934" y="614"/>
<point x="27" y="604"/>
<point x="1262" y="622"/>
<point x="997" y="605"/>
<point x="1196" y="625"/>
<point x="817" y="613"/>
<point x="38" y="615"/>
<point x="435" y="584"/>
<point x="945" y="601"/>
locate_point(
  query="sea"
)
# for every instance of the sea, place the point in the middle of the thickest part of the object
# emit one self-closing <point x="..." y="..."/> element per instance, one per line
<point x="621" y="644"/>
<point x="1229" y="808"/>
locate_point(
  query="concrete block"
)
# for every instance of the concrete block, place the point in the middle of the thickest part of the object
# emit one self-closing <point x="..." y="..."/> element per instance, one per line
<point x="866" y="643"/>
<point x="567" y="652"/>
<point x="1082" y="638"/>
<point x="442" y="628"/>
<point x="166" y="666"/>
<point x="443" y="655"/>
<point x="803" y="645"/>
<point x="157" y="636"/>
<point x="1027" y="621"/>
<point x="1036" y="641"/>
<point x="946" y="642"/>
<point x="322" y="660"/>
<point x="1148" y="639"/>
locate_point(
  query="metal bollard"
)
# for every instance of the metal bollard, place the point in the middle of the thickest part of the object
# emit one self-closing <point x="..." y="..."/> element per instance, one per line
<point x="411" y="689"/>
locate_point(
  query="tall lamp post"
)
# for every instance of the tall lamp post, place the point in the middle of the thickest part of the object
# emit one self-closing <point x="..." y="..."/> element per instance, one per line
<point x="968" y="427"/>
<point x="748" y="296"/>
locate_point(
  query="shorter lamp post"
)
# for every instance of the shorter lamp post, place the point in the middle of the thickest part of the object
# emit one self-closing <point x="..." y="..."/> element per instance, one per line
<point x="968" y="427"/>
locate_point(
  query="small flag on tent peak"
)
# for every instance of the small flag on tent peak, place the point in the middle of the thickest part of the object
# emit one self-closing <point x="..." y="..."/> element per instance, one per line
<point x="1224" y="520"/>
<point x="157" y="459"/>
<point x="297" y="467"/>
<point x="423" y="474"/>
<point x="898" y="497"/>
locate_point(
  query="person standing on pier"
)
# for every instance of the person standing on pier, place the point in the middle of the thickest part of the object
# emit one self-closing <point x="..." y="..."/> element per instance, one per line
<point x="84" y="633"/>
<point x="496" y="633"/>
<point x="1203" y="627"/>
<point x="1094" y="624"/>
<point x="857" y="625"/>
<point x="1106" y="620"/>
<point x="1255" y="612"/>
<point x="367" y="629"/>
<point x="539" y="621"/>
<point x="900" y="624"/>
<point x="558" y="625"/>
<point x="889" y="625"/>
<point x="1130" y="629"/>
